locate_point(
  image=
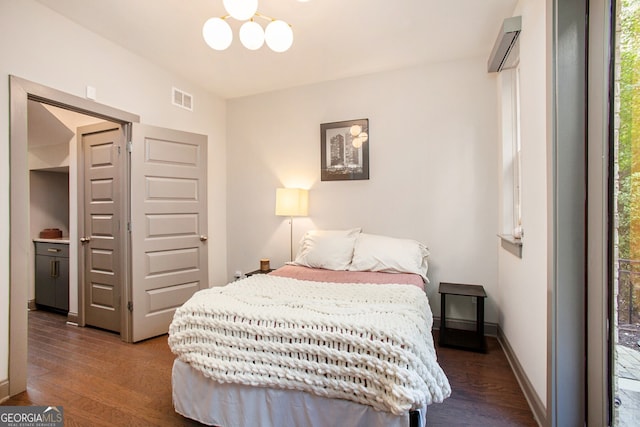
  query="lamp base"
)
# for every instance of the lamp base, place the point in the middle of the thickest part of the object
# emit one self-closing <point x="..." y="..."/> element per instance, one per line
<point x="291" y="236"/>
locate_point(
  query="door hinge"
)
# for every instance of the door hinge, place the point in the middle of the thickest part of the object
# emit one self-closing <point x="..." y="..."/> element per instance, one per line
<point x="118" y="150"/>
<point x="130" y="306"/>
<point x="129" y="227"/>
<point x="130" y="147"/>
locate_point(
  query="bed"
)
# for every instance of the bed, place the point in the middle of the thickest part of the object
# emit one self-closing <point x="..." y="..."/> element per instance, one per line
<point x="322" y="342"/>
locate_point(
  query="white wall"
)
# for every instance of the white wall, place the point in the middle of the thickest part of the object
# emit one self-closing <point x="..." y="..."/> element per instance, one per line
<point x="49" y="200"/>
<point x="523" y="282"/>
<point x="43" y="47"/>
<point x="433" y="169"/>
<point x="48" y="156"/>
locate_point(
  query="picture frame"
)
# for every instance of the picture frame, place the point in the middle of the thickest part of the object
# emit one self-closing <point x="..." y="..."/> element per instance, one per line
<point x="344" y="150"/>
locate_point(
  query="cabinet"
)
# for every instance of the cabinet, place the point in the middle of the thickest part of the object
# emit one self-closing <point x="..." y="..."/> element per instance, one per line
<point x="52" y="275"/>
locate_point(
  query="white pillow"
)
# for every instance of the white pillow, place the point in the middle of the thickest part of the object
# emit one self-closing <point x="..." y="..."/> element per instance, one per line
<point x="328" y="249"/>
<point x="389" y="255"/>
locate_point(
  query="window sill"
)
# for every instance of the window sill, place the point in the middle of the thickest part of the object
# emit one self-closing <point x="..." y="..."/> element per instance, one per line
<point x="511" y="244"/>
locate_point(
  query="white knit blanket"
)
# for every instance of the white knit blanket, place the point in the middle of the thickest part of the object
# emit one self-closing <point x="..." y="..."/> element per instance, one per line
<point x="370" y="344"/>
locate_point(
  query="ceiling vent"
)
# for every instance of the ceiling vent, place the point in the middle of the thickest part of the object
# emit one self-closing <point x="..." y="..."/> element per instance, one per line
<point x="182" y="99"/>
<point x="505" y="53"/>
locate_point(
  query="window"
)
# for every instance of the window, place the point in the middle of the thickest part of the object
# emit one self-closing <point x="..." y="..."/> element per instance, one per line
<point x="511" y="188"/>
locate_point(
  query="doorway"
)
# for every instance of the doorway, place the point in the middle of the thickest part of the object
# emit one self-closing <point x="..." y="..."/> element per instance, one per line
<point x="55" y="191"/>
<point x="164" y="254"/>
<point x="21" y="91"/>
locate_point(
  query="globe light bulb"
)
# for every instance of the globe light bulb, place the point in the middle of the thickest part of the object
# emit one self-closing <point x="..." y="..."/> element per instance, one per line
<point x="251" y="35"/>
<point x="241" y="9"/>
<point x="355" y="130"/>
<point x="357" y="142"/>
<point x="217" y="33"/>
<point x="364" y="136"/>
<point x="278" y="35"/>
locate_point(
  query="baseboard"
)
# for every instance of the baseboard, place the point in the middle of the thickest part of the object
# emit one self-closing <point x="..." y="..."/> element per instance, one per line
<point x="537" y="407"/>
<point x="4" y="390"/>
<point x="490" y="329"/>
<point x="72" y="318"/>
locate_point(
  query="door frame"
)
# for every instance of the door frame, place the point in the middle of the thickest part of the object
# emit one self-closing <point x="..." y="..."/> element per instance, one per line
<point x="20" y="92"/>
<point x="578" y="329"/>
<point x="567" y="215"/>
<point x="600" y="213"/>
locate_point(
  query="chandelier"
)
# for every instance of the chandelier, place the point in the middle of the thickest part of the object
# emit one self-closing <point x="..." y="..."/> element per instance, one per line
<point x="218" y="35"/>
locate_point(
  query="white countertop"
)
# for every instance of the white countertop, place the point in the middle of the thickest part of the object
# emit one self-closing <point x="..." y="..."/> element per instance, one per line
<point x="63" y="240"/>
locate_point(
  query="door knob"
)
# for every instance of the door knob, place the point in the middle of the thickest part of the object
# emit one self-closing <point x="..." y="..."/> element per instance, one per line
<point x="85" y="239"/>
<point x="203" y="238"/>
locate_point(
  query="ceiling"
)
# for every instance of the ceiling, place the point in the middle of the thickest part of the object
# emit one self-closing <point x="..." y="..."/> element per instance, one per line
<point x="333" y="39"/>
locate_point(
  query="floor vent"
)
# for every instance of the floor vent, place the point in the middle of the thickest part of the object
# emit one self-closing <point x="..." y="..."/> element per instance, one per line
<point x="182" y="99"/>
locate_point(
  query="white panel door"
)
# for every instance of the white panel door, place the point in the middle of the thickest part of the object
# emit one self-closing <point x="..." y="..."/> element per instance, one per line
<point x="168" y="225"/>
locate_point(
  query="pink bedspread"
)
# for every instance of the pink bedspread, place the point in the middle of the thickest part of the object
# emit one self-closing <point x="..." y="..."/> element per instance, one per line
<point x="321" y="275"/>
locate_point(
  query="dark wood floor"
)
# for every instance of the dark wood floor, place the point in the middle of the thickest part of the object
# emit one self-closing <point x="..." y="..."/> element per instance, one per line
<point x="99" y="380"/>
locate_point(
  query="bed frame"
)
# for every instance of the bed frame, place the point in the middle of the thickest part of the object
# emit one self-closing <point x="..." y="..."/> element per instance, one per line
<point x="212" y="403"/>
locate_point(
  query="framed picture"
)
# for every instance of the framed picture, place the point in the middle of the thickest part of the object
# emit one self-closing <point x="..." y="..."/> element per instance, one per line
<point x="344" y="150"/>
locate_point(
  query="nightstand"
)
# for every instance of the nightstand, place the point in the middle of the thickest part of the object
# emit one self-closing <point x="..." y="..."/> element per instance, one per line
<point x="459" y="338"/>
<point x="251" y="273"/>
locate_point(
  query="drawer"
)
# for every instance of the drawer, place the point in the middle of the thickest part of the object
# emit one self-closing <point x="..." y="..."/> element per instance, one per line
<point x="52" y="249"/>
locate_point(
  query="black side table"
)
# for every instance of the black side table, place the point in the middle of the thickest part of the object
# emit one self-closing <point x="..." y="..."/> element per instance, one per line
<point x="251" y="273"/>
<point x="458" y="338"/>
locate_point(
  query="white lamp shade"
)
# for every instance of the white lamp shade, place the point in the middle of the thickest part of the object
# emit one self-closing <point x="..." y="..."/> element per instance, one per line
<point x="292" y="202"/>
<point x="241" y="9"/>
<point x="217" y="33"/>
<point x="279" y="36"/>
<point x="251" y="35"/>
